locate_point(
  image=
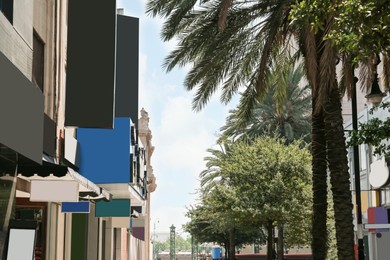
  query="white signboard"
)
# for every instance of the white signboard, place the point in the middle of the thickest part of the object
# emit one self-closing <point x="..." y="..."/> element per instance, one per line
<point x="54" y="191"/>
<point x="21" y="244"/>
<point x="379" y="175"/>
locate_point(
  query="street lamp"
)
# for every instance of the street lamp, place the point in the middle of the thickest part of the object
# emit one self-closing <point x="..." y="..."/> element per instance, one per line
<point x="376" y="95"/>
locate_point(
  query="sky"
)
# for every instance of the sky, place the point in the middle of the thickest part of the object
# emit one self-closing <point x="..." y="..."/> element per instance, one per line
<point x="181" y="136"/>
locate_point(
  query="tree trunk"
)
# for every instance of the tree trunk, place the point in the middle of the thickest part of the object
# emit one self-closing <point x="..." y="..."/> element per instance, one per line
<point x="227" y="249"/>
<point x="339" y="176"/>
<point x="280" y="242"/>
<point x="319" y="168"/>
<point x="232" y="245"/>
<point x="270" y="240"/>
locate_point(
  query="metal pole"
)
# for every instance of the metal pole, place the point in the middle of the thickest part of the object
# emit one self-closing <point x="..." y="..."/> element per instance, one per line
<point x="356" y="167"/>
<point x="155" y="248"/>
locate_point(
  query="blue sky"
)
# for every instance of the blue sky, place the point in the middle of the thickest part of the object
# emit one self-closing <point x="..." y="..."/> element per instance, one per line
<point x="180" y="135"/>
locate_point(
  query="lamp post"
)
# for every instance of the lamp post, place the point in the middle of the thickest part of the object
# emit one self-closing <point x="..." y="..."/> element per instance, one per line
<point x="155" y="249"/>
<point x="356" y="171"/>
<point x="375" y="97"/>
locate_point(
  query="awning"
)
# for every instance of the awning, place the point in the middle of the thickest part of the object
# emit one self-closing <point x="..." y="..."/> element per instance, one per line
<point x="124" y="191"/>
<point x="50" y="171"/>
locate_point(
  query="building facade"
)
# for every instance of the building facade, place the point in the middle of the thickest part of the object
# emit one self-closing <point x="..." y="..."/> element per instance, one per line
<point x="374" y="179"/>
<point x="75" y="172"/>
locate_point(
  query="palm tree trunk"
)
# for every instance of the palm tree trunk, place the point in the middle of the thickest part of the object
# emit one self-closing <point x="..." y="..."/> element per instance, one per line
<point x="319" y="168"/>
<point x="339" y="176"/>
<point x="280" y="242"/>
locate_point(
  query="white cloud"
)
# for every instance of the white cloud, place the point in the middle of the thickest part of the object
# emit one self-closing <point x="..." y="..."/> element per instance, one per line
<point x="184" y="136"/>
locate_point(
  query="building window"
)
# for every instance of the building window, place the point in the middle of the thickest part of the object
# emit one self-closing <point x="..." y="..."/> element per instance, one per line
<point x="7" y="8"/>
<point x="38" y="61"/>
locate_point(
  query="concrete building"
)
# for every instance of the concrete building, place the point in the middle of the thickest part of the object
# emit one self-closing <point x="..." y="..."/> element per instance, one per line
<point x="75" y="175"/>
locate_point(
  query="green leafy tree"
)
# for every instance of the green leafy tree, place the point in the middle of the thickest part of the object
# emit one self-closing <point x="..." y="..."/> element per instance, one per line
<point x="360" y="28"/>
<point x="182" y="244"/>
<point x="262" y="183"/>
<point x="161" y="246"/>
<point x="232" y="43"/>
<point x="274" y="183"/>
<point x="374" y="132"/>
<point x="221" y="205"/>
<point x="216" y="220"/>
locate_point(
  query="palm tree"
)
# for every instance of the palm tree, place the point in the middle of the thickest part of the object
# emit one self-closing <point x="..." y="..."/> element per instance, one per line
<point x="213" y="176"/>
<point x="232" y="44"/>
<point x="291" y="119"/>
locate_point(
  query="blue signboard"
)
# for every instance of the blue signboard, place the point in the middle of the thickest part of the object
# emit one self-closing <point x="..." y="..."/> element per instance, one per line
<point x="76" y="207"/>
<point x="105" y="153"/>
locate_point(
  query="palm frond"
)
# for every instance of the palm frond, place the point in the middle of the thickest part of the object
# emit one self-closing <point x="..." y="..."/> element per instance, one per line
<point x="307" y="41"/>
<point x="250" y="120"/>
<point x="386" y="70"/>
<point x="366" y="73"/>
<point x="327" y="73"/>
<point x="346" y="83"/>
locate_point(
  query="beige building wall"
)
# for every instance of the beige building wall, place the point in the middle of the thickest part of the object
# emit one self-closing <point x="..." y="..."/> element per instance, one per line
<point x="17" y="43"/>
<point x="145" y="134"/>
<point x="44" y="27"/>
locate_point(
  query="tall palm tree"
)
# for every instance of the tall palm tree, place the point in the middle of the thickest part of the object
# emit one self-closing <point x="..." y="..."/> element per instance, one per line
<point x="231" y="43"/>
<point x="291" y="119"/>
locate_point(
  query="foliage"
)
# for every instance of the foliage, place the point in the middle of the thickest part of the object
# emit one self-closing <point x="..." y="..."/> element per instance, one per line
<point x="265" y="180"/>
<point x="274" y="183"/>
<point x="359" y="28"/>
<point x="161" y="246"/>
<point x="290" y="119"/>
<point x="181" y="244"/>
<point x="375" y="132"/>
<point x="216" y="53"/>
<point x="219" y="213"/>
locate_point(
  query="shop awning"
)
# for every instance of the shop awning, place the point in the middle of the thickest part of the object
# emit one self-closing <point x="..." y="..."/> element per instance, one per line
<point x="50" y="171"/>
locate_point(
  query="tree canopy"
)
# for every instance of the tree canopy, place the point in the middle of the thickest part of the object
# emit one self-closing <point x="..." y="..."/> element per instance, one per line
<point x="263" y="181"/>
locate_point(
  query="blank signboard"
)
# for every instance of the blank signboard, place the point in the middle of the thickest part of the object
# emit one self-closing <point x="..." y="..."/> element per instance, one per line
<point x="54" y="191"/>
<point x="21" y="244"/>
